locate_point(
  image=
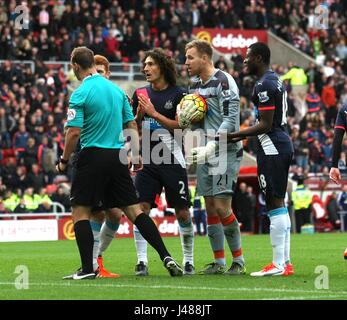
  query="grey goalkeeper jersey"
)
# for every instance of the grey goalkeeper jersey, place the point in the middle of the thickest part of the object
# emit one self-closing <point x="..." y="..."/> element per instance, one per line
<point x="222" y="96"/>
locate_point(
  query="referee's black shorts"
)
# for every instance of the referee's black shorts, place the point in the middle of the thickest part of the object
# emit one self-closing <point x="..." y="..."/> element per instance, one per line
<point x="102" y="180"/>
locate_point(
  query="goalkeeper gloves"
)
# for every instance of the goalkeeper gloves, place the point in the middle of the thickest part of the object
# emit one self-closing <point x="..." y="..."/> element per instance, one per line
<point x="186" y="115"/>
<point x="201" y="155"/>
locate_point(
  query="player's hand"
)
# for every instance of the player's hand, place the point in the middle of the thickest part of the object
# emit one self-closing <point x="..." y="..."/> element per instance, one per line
<point x="183" y="123"/>
<point x="335" y="175"/>
<point x="147" y="105"/>
<point x="186" y="116"/>
<point x="61" y="167"/>
<point x="201" y="155"/>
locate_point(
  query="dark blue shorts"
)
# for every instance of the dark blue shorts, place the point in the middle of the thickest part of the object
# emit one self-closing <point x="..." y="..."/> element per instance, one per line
<point x="152" y="178"/>
<point x="273" y="174"/>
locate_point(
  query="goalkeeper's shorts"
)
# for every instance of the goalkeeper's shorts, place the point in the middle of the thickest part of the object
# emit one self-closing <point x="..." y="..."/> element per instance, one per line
<point x="218" y="177"/>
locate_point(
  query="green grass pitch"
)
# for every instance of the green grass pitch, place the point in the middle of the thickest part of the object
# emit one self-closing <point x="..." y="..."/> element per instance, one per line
<point x="320" y="272"/>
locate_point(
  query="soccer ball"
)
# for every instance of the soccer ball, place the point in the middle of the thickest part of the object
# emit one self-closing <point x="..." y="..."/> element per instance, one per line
<point x="193" y="99"/>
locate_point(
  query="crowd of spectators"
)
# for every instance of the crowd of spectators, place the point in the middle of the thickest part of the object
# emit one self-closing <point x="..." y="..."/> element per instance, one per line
<point x="32" y="113"/>
<point x="122" y="30"/>
<point x="33" y="105"/>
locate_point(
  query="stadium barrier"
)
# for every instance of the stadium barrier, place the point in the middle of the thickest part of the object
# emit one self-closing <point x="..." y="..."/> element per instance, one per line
<point x="59" y="226"/>
<point x="282" y="52"/>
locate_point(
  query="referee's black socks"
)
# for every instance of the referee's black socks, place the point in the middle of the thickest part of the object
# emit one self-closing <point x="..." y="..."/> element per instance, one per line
<point x="150" y="232"/>
<point x="85" y="242"/>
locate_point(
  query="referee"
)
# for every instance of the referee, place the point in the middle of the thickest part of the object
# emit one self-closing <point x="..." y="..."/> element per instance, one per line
<point x="97" y="111"/>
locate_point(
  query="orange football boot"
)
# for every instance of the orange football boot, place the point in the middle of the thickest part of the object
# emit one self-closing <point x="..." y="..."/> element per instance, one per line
<point x="102" y="272"/>
<point x="288" y="270"/>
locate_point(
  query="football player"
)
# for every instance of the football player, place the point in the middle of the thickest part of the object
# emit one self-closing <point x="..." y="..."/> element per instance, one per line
<point x="275" y="153"/>
<point x="155" y="108"/>
<point x="339" y="132"/>
<point x="217" y="169"/>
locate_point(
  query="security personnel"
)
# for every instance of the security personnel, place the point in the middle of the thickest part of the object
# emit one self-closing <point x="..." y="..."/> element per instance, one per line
<point x="11" y="201"/>
<point x="302" y="200"/>
<point x="199" y="211"/>
<point x="296" y="75"/>
<point x="30" y="200"/>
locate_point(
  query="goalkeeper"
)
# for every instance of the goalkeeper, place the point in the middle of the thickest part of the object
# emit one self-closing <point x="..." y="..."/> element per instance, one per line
<point x="215" y="183"/>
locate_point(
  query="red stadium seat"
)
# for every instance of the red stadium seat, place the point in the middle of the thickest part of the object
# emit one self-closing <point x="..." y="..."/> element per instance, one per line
<point x="8" y="153"/>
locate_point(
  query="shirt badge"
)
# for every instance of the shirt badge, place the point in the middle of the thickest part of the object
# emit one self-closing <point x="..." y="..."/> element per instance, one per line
<point x="263" y="97"/>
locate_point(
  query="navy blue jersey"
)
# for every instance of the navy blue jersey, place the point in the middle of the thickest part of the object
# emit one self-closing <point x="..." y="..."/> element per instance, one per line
<point x="165" y="102"/>
<point x="339" y="132"/>
<point x="270" y="94"/>
<point x="341" y="119"/>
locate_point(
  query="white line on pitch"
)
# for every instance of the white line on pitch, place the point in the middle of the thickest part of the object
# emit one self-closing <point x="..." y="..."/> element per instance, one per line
<point x="66" y="283"/>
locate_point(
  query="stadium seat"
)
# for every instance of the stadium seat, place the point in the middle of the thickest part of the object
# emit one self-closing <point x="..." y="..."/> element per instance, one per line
<point x="8" y="153"/>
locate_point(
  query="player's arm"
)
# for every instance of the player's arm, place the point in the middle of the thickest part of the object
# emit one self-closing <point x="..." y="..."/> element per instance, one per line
<point x="75" y="119"/>
<point x="263" y="126"/>
<point x="337" y="142"/>
<point x="72" y="136"/>
<point x="135" y="144"/>
<point x="130" y="124"/>
<point x="339" y="132"/>
<point x="148" y="107"/>
<point x="266" y="110"/>
<point x="137" y="109"/>
<point x="229" y="104"/>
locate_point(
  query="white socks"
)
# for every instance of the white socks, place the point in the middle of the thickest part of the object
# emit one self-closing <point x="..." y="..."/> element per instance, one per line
<point x="96" y="227"/>
<point x="287" y="242"/>
<point x="280" y="236"/>
<point x="141" y="246"/>
<point x="187" y="241"/>
<point x="107" y="233"/>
